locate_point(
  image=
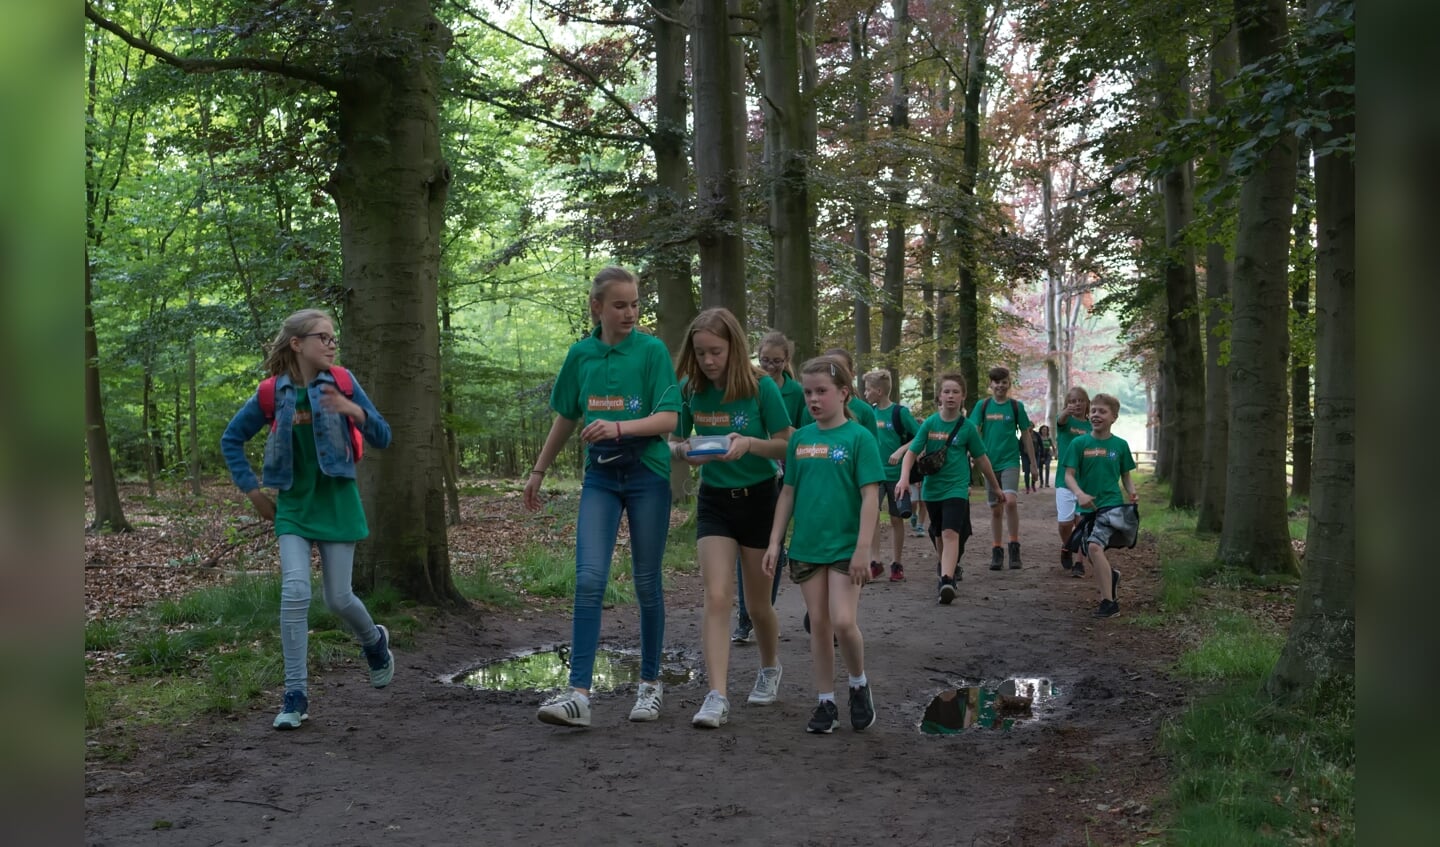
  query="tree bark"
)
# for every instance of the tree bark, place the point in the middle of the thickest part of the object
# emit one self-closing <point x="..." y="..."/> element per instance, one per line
<point x="967" y="300"/>
<point x="860" y="137"/>
<point x="1184" y="361"/>
<point x="892" y="311"/>
<point x="674" y="287"/>
<point x="1224" y="59"/>
<point x="718" y="162"/>
<point x="1302" y="266"/>
<point x="788" y="180"/>
<point x="109" y="514"/>
<point x="1321" y="646"/>
<point x="1256" y="533"/>
<point x="1054" y="279"/>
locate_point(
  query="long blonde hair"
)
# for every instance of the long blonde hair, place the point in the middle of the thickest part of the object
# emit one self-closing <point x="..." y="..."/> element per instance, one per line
<point x="741" y="379"/>
<point x="607" y="277"/>
<point x="279" y="358"/>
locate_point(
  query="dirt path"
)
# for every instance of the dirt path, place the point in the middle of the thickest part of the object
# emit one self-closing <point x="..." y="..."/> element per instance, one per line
<point x="426" y="763"/>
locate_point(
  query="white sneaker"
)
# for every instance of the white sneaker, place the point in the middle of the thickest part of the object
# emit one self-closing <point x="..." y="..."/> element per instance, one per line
<point x="767" y="687"/>
<point x="713" y="712"/>
<point x="567" y="709"/>
<point x="647" y="702"/>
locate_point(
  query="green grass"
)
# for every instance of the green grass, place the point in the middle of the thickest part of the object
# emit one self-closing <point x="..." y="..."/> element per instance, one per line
<point x="1245" y="770"/>
<point x="547" y="572"/>
<point x="483" y="586"/>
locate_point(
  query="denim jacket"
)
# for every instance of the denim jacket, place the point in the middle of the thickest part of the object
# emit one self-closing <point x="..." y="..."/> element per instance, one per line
<point x="332" y="435"/>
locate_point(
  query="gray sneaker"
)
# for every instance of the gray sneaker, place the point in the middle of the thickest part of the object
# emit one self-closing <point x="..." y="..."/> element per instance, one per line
<point x="294" y="711"/>
<point x="767" y="687"/>
<point x="565" y="710"/>
<point x="380" y="659"/>
<point x="744" y="631"/>
<point x="647" y="702"/>
<point x="713" y="712"/>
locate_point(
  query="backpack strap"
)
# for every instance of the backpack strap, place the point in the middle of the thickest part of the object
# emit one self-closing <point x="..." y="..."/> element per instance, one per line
<point x="346" y="384"/>
<point x="896" y="425"/>
<point x="265" y="393"/>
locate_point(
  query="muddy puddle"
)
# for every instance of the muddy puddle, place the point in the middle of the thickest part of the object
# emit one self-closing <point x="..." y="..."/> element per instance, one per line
<point x="1000" y="705"/>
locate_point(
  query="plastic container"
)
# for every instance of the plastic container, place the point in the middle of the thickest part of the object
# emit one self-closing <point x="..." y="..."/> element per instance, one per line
<point x="708" y="445"/>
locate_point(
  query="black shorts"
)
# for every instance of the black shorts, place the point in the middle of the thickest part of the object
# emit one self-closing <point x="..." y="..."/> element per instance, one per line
<point x="951" y="513"/>
<point x="892" y="500"/>
<point x="744" y="514"/>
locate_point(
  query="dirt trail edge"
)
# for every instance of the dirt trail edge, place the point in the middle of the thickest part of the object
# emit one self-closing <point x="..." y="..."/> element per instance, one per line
<point x="426" y="763"/>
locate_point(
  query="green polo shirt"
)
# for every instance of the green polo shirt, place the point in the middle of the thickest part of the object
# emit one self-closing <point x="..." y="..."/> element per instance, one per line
<point x="1064" y="434"/>
<point x="953" y="480"/>
<point x="1098" y="464"/>
<point x="760" y="416"/>
<point x="316" y="506"/>
<point x="998" y="423"/>
<point x="794" y="397"/>
<point x="889" y="440"/>
<point x="827" y="468"/>
<point x="624" y="382"/>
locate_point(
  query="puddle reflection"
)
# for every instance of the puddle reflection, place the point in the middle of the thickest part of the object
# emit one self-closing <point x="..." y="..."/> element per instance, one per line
<point x="988" y="706"/>
<point x="544" y="670"/>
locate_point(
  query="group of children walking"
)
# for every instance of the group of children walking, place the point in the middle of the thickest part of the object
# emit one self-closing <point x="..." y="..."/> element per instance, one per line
<point x="772" y="448"/>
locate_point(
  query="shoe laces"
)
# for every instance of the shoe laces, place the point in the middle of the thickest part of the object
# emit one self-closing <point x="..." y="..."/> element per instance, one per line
<point x="713" y="702"/>
<point x="649" y="695"/>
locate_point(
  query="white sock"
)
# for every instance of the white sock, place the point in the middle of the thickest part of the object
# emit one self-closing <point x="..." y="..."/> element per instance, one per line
<point x="718" y="693"/>
<point x="827" y="697"/>
<point x="581" y="696"/>
<point x="859" y="681"/>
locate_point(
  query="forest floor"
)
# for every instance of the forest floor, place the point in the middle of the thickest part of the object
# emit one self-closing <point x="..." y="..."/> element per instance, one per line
<point x="428" y="762"/>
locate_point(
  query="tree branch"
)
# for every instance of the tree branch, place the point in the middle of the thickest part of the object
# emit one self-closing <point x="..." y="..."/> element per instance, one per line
<point x="206" y="65"/>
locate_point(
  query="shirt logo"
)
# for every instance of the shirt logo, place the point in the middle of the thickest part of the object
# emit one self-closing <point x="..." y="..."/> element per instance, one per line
<point x="302" y="417"/>
<point x="715" y="419"/>
<point x="937" y="435"/>
<point x="612" y="403"/>
<point x="996" y="416"/>
<point x="1098" y="453"/>
<point x="740" y="420"/>
<point x="812" y="451"/>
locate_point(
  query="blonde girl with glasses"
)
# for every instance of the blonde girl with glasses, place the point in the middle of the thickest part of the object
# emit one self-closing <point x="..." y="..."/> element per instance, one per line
<point x="309" y="460"/>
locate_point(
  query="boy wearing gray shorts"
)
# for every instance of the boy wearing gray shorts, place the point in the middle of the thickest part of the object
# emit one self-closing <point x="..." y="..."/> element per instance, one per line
<point x="1000" y="419"/>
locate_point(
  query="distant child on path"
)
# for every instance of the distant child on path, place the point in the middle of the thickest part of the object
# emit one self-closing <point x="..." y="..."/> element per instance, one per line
<point x="309" y="458"/>
<point x="1044" y="452"/>
<point x="620" y="384"/>
<point x="999" y="418"/>
<point x="832" y="477"/>
<point x="1071" y="424"/>
<point x="947" y="492"/>
<point x="725" y="395"/>
<point x="775" y="354"/>
<point x="895" y="427"/>
<point x="1096" y="467"/>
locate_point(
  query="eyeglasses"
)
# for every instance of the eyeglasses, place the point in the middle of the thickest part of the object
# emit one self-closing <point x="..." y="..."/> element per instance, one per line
<point x="766" y="362"/>
<point x="325" y="338"/>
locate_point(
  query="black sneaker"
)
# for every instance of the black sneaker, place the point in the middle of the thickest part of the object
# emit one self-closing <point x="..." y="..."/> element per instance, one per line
<point x="1079" y="569"/>
<point x="1107" y="609"/>
<point x="1067" y="559"/>
<point x="825" y="719"/>
<point x="1115" y="586"/>
<point x="997" y="558"/>
<point x="947" y="590"/>
<point x="862" y="708"/>
<point x="1014" y="555"/>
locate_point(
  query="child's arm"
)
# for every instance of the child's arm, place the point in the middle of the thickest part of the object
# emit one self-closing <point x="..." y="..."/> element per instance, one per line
<point x="1085" y="500"/>
<point x="658" y="423"/>
<point x="988" y="471"/>
<point x="900" y="454"/>
<point x="784" y="505"/>
<point x="907" y="465"/>
<point x="869" y="513"/>
<point x="768" y="448"/>
<point x="559" y="432"/>
<point x="1129" y="487"/>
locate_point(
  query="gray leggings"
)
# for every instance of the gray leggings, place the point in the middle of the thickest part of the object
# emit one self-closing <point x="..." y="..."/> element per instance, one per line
<point x="337" y="563"/>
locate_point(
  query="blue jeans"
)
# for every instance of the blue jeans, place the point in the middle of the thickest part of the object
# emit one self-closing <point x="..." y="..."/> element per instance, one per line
<point x="645" y="496"/>
<point x="337" y="563"/>
<point x="743" y="616"/>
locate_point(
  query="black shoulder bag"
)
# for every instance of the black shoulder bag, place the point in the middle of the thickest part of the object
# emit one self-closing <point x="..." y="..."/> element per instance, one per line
<point x="931" y="461"/>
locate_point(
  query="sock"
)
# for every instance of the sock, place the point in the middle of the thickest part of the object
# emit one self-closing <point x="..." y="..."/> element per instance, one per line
<point x="827" y="697"/>
<point x="581" y="696"/>
<point x="719" y="694"/>
<point x="859" y="681"/>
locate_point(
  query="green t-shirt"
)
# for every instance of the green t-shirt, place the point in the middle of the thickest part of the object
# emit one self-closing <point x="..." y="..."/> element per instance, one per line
<point x="1098" y="464"/>
<point x="998" y="428"/>
<point x="827" y="468"/>
<point x="316" y="506"/>
<point x="953" y="480"/>
<point x="625" y="382"/>
<point x="794" y="397"/>
<point x="1066" y="433"/>
<point x="760" y="416"/>
<point x="889" y="440"/>
<point x="859" y="410"/>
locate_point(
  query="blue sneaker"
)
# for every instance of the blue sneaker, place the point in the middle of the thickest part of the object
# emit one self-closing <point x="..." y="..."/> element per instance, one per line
<point x="294" y="711"/>
<point x="380" y="659"/>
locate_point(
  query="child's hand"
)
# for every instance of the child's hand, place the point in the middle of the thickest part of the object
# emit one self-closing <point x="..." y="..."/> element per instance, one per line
<point x="331" y="400"/>
<point x="1085" y="500"/>
<point x="1134" y="497"/>
<point x="739" y="446"/>
<point x="859" y="568"/>
<point x="772" y="556"/>
<point x="263" y="504"/>
<point x="532" y="492"/>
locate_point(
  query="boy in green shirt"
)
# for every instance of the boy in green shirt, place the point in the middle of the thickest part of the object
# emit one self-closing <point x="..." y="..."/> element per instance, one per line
<point x="894" y="427"/>
<point x="1096" y="466"/>
<point x="999" y="418"/>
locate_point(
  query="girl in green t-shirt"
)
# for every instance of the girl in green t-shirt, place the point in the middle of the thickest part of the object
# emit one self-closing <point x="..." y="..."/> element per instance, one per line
<point x="724" y="395"/>
<point x="310" y="461"/>
<point x="832" y="477"/>
<point x="617" y="387"/>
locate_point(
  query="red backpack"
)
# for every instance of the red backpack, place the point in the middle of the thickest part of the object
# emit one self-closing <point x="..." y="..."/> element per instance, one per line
<point x="266" y="395"/>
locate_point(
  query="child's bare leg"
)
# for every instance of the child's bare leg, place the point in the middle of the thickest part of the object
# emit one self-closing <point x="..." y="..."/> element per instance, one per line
<point x="1066" y="527"/>
<point x="949" y="552"/>
<point x="717" y="569"/>
<point x="875" y="536"/>
<point x="844" y="606"/>
<point x="757" y="604"/>
<point x="1102" y="570"/>
<point x="816" y="591"/>
<point x="897" y="537"/>
<point x="1012" y="515"/>
<point x="997" y="522"/>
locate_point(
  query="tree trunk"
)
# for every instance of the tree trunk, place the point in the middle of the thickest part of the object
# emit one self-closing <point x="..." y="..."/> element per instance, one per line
<point x="389" y="186"/>
<point x="788" y="181"/>
<point x="1302" y="266"/>
<point x="1163" y="414"/>
<point x="109" y="515"/>
<point x="1256" y="533"/>
<point x="718" y="162"/>
<point x="671" y="266"/>
<point x="1321" y="646"/>
<point x="892" y="312"/>
<point x="1054" y="279"/>
<point x="1224" y="59"/>
<point x="860" y="137"/>
<point x="1185" y="360"/>
<point x="967" y="297"/>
